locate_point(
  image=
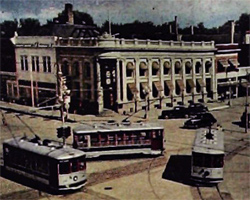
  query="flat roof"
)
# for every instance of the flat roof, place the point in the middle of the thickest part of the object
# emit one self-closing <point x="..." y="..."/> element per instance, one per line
<point x="56" y="152"/>
<point x="115" y="127"/>
<point x="204" y="144"/>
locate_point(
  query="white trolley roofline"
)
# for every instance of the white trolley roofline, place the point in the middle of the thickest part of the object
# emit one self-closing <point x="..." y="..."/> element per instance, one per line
<point x="55" y="152"/>
<point x="211" y="146"/>
<point x="115" y="127"/>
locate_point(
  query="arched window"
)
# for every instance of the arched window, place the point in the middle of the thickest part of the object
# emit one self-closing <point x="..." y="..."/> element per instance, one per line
<point x="87" y="70"/>
<point x="188" y="67"/>
<point x="75" y="69"/>
<point x="177" y="67"/>
<point x="208" y="66"/>
<point x="130" y="95"/>
<point x="188" y="87"/>
<point x="130" y="69"/>
<point x="143" y="69"/>
<point x="198" y="68"/>
<point x="177" y="88"/>
<point x="198" y="87"/>
<point x="65" y="68"/>
<point x="167" y="67"/>
<point x="154" y="91"/>
<point x="155" y="68"/>
<point x="166" y="89"/>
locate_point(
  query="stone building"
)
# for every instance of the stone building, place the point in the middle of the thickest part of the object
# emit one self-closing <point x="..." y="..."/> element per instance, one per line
<point x="128" y="75"/>
<point x="124" y="75"/>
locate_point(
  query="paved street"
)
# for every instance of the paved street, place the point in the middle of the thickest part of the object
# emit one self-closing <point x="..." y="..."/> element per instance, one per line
<point x="142" y="178"/>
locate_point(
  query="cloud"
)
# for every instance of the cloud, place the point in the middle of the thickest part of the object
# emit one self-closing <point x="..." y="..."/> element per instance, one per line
<point x="5" y="16"/>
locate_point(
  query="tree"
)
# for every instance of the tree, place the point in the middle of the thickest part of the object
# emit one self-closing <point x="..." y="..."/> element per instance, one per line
<point x="29" y="27"/>
<point x="8" y="28"/>
<point x="244" y="24"/>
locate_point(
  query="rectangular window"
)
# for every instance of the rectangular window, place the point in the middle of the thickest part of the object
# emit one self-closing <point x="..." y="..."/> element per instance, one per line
<point x="46" y="64"/>
<point x="35" y="63"/>
<point x="24" y="63"/>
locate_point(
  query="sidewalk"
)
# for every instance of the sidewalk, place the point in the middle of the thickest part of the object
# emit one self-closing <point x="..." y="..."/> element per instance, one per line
<point x="106" y="115"/>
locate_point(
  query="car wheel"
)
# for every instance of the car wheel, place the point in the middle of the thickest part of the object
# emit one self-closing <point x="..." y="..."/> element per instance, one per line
<point x="166" y="117"/>
<point x="186" y="116"/>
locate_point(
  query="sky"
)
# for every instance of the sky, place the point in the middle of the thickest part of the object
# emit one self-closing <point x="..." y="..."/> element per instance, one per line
<point x="213" y="13"/>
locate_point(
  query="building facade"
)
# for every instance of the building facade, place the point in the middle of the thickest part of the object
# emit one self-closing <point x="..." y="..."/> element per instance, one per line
<point x="124" y="75"/>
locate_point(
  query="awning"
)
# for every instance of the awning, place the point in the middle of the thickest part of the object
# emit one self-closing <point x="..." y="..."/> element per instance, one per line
<point x="145" y="87"/>
<point x="234" y="62"/>
<point x="167" y="65"/>
<point x="133" y="88"/>
<point x="201" y="82"/>
<point x="170" y="85"/>
<point x="181" y="84"/>
<point x="224" y="63"/>
<point x="143" y="65"/>
<point x="155" y="65"/>
<point x="158" y="85"/>
<point x="191" y="83"/>
<point x="130" y="66"/>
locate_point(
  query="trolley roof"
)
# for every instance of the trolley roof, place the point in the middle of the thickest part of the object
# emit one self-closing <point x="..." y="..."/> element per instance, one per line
<point x="55" y="151"/>
<point x="202" y="144"/>
<point x="115" y="127"/>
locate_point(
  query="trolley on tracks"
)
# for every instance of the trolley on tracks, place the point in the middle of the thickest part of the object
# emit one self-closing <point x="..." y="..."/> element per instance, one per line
<point x="59" y="168"/>
<point x="106" y="139"/>
<point x="208" y="156"/>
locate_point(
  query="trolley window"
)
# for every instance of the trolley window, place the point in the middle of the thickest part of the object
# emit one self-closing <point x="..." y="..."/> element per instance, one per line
<point x="208" y="160"/>
<point x="64" y="168"/>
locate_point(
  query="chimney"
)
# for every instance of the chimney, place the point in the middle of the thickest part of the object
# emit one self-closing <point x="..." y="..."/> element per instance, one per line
<point x="176" y="25"/>
<point x="170" y="27"/>
<point x="232" y="30"/>
<point x="69" y="12"/>
<point x="192" y="29"/>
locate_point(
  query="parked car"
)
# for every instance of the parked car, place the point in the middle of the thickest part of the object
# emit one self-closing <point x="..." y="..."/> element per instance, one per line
<point x="196" y="108"/>
<point x="200" y="120"/>
<point x="176" y="112"/>
<point x="243" y="119"/>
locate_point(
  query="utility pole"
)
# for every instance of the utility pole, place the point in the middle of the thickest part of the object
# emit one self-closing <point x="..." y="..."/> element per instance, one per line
<point x="246" y="110"/>
<point x="246" y="105"/>
<point x="64" y="100"/>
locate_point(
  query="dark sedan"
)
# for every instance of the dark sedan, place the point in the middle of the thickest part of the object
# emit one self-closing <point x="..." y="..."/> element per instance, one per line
<point x="176" y="112"/>
<point x="196" y="108"/>
<point x="201" y="120"/>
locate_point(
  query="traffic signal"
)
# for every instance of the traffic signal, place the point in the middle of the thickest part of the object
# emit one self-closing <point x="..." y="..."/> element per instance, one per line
<point x="63" y="132"/>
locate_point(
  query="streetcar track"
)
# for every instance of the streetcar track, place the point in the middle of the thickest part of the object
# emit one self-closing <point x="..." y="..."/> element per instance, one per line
<point x="211" y="195"/>
<point x="111" y="174"/>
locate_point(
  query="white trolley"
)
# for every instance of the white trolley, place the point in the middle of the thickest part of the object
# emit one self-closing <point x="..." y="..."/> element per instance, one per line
<point x="208" y="156"/>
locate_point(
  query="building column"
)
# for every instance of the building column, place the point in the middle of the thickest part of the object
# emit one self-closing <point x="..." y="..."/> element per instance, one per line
<point x="99" y="88"/>
<point x="184" y="77"/>
<point x="92" y="80"/>
<point x="137" y="77"/>
<point x="124" y="83"/>
<point x="81" y="78"/>
<point x="118" y="80"/>
<point x="173" y="76"/>
<point x="161" y="76"/>
<point x="150" y="78"/>
<point x="214" y="81"/>
<point x="204" y="93"/>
